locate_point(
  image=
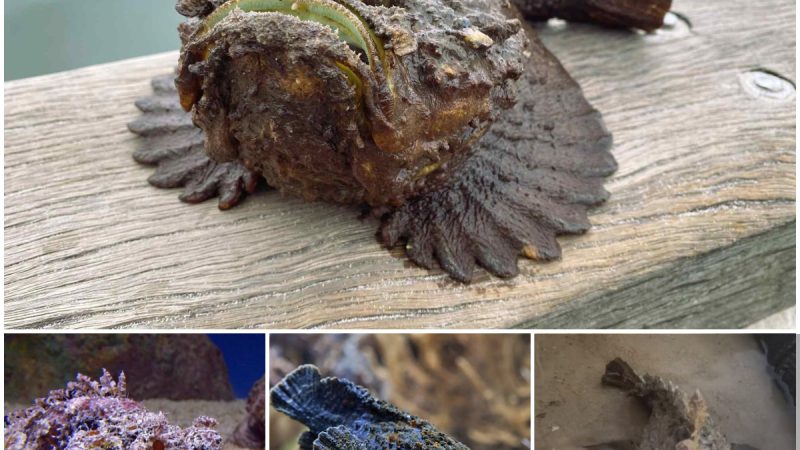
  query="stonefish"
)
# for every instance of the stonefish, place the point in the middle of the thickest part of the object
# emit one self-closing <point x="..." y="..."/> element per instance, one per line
<point x="448" y="118"/>
<point x="341" y="415"/>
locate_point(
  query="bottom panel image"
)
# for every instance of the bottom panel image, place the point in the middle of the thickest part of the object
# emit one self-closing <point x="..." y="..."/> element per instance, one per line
<point x="134" y="391"/>
<point x="682" y="392"/>
<point x="400" y="391"/>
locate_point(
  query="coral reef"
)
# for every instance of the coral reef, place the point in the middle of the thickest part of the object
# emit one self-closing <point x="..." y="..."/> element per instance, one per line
<point x="342" y="415"/>
<point x="475" y="388"/>
<point x="250" y="433"/>
<point x="98" y="414"/>
<point x="35" y="364"/>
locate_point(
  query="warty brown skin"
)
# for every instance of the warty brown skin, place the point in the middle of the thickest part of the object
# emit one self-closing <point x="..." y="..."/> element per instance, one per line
<point x="468" y="136"/>
<point x="268" y="90"/>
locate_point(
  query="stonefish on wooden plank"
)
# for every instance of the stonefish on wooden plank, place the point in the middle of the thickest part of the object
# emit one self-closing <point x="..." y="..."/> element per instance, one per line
<point x="448" y="118"/>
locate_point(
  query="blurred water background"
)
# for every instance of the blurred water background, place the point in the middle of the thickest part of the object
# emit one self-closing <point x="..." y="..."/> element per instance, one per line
<point x="216" y="367"/>
<point x="245" y="355"/>
<point x="46" y="36"/>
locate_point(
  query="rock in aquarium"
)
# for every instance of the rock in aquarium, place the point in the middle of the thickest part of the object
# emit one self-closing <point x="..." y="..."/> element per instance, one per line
<point x="250" y="433"/>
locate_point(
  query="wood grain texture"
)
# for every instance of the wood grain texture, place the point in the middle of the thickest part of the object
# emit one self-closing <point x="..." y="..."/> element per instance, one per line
<point x="717" y="287"/>
<point x="706" y="150"/>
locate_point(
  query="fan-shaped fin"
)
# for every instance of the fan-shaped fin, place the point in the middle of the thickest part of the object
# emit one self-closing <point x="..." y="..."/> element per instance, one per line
<point x="530" y="178"/>
<point x="343" y="416"/>
<point x="172" y="142"/>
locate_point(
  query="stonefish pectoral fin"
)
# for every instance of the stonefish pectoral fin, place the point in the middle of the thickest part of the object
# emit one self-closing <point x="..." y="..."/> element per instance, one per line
<point x="532" y="176"/>
<point x="175" y="145"/>
<point x="343" y="416"/>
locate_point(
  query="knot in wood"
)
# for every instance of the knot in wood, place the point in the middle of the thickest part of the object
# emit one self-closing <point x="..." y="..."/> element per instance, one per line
<point x="767" y="85"/>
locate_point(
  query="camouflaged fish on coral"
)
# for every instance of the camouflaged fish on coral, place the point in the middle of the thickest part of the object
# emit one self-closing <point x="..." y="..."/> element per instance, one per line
<point x="97" y="414"/>
<point x="343" y="416"/>
<point x="448" y="118"/>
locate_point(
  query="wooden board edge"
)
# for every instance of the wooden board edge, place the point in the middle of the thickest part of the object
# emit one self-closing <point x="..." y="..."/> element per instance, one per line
<point x="727" y="288"/>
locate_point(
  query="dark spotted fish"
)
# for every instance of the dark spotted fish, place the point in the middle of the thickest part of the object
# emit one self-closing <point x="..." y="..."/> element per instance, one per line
<point x="341" y="415"/>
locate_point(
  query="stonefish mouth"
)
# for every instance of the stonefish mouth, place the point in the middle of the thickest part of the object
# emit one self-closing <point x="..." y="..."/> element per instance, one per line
<point x="380" y="98"/>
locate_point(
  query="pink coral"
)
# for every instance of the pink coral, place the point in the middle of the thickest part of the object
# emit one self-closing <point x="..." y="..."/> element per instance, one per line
<point x="92" y="414"/>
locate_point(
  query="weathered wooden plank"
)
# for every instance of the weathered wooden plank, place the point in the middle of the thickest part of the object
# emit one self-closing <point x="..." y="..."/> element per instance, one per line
<point x="720" y="288"/>
<point x="706" y="149"/>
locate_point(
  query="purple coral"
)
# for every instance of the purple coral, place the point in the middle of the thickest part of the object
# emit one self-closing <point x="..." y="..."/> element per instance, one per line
<point x="92" y="414"/>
